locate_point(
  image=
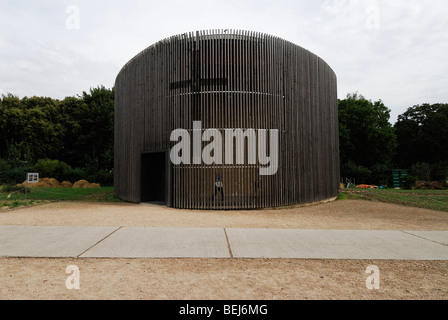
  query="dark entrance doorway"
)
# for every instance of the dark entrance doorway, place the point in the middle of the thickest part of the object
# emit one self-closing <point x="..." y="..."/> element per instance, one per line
<point x="154" y="177"/>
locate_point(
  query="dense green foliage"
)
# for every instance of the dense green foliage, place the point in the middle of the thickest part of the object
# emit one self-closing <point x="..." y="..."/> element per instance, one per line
<point x="69" y="140"/>
<point x="422" y="136"/>
<point x="367" y="140"/>
<point x="370" y="147"/>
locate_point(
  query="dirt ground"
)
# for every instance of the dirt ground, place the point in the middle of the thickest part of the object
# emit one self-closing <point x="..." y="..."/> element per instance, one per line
<point x="225" y="279"/>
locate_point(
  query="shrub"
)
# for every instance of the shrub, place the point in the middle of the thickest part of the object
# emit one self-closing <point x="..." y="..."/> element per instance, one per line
<point x="77" y="174"/>
<point x="360" y="173"/>
<point x="4" y="168"/>
<point x="103" y="177"/>
<point x="48" y="168"/>
<point x="440" y="173"/>
<point x="421" y="170"/>
<point x="9" y="188"/>
<point x="15" y="175"/>
<point x="408" y="181"/>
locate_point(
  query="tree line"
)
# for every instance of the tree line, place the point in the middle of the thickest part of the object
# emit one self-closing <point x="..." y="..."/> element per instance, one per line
<point x="69" y="139"/>
<point x="72" y="139"/>
<point x="371" y="147"/>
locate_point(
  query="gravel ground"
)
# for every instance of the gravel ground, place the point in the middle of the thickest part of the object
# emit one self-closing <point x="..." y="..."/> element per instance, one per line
<point x="225" y="279"/>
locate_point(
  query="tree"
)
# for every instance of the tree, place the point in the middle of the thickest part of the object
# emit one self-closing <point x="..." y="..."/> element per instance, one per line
<point x="32" y="126"/>
<point x="89" y="123"/>
<point x="422" y="135"/>
<point x="78" y="131"/>
<point x="367" y="140"/>
<point x="100" y="137"/>
<point x="73" y="111"/>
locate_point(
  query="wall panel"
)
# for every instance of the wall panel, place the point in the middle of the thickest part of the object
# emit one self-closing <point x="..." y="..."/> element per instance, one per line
<point x="229" y="79"/>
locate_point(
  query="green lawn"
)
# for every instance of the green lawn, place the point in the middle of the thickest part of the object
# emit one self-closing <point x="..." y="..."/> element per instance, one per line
<point x="428" y="199"/>
<point x="40" y="195"/>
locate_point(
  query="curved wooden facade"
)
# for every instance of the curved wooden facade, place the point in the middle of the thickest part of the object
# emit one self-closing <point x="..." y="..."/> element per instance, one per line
<point x="226" y="79"/>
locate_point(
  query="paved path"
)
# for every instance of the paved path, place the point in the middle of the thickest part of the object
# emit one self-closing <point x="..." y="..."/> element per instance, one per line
<point x="136" y="242"/>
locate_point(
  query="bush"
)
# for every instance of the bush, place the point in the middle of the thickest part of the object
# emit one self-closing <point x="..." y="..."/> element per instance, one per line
<point x="425" y="172"/>
<point x="103" y="177"/>
<point x="59" y="170"/>
<point x="408" y="182"/>
<point x="16" y="175"/>
<point x="76" y="174"/>
<point x="48" y="168"/>
<point x="360" y="173"/>
<point x="9" y="188"/>
<point x="421" y="170"/>
<point x="440" y="173"/>
<point x="4" y="169"/>
<point x="381" y="175"/>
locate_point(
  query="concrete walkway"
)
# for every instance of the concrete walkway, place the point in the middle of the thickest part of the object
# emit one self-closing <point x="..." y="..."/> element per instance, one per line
<point x="136" y="242"/>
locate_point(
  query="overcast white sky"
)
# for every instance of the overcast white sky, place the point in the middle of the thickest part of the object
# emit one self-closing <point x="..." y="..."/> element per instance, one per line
<point x="395" y="50"/>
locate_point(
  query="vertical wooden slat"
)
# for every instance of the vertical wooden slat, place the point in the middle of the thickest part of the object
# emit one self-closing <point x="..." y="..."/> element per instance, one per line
<point x="270" y="84"/>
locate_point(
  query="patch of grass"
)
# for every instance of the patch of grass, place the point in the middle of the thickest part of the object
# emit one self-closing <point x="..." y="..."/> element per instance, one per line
<point x="427" y="199"/>
<point x="105" y="194"/>
<point x="11" y="204"/>
<point x="342" y="196"/>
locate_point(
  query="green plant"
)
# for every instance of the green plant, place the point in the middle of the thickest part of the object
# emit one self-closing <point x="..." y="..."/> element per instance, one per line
<point x="4" y="168"/>
<point x="408" y="181"/>
<point x="48" y="168"/>
<point x="103" y="177"/>
<point x="15" y="175"/>
<point x="421" y="170"/>
<point x="10" y="188"/>
<point x="351" y="169"/>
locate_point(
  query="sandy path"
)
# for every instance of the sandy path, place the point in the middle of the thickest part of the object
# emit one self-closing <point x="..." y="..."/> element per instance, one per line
<point x="347" y="214"/>
<point x="192" y="279"/>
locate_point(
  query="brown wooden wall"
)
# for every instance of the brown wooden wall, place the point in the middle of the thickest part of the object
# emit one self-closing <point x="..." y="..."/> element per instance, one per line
<point x="229" y="79"/>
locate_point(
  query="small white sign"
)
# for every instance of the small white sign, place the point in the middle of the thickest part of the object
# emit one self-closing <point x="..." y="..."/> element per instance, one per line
<point x="33" y="178"/>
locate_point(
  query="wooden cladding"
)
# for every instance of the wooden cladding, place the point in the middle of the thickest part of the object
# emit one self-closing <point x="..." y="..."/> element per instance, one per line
<point x="227" y="79"/>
